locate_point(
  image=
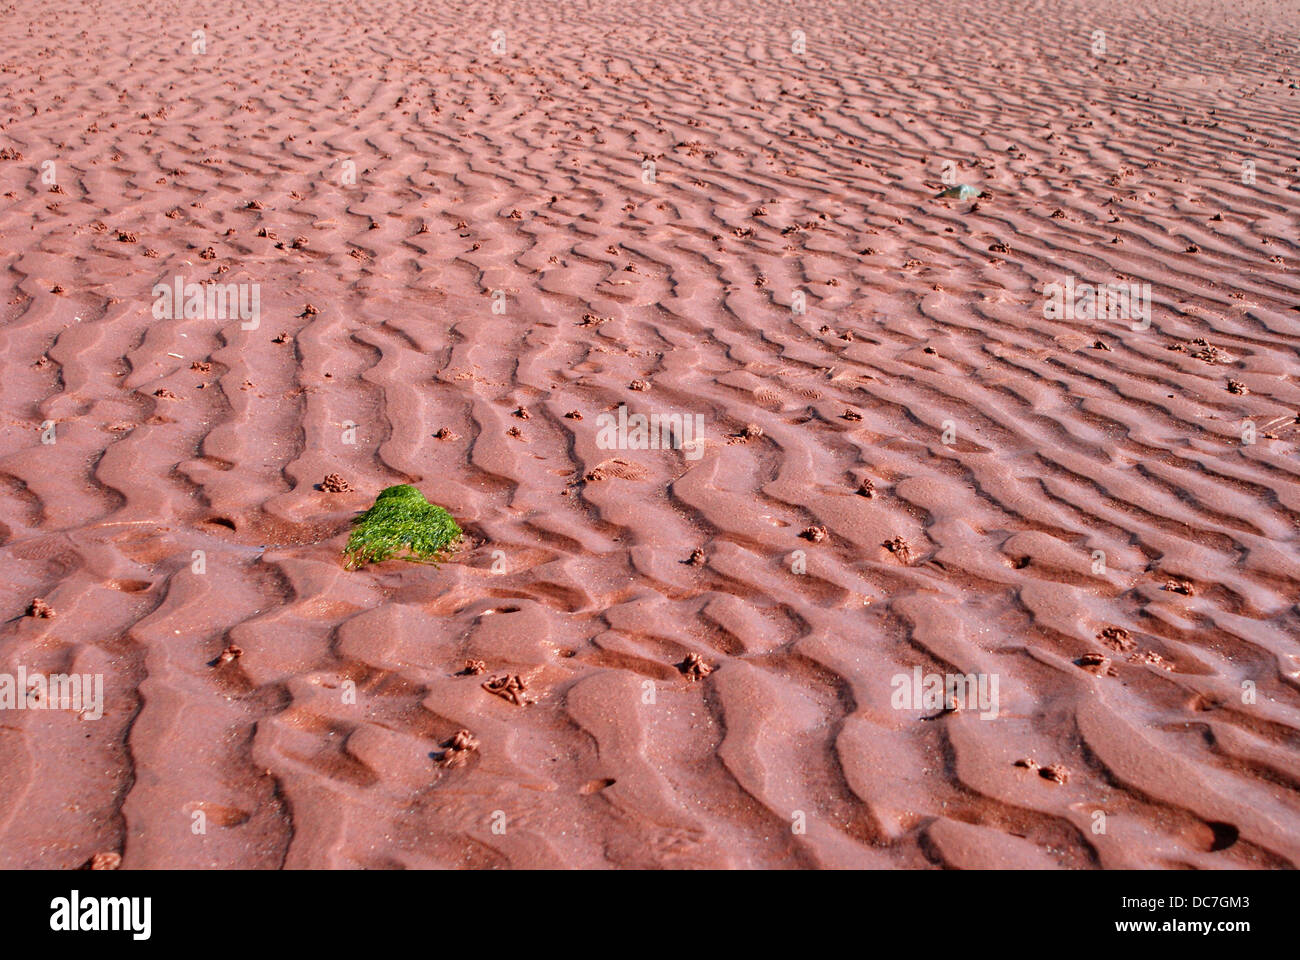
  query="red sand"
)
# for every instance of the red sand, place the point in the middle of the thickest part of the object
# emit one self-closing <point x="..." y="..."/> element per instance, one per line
<point x="1004" y="449"/>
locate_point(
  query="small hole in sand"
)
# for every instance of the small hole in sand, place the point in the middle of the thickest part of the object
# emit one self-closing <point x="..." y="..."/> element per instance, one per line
<point x="1225" y="835"/>
<point x="129" y="586"/>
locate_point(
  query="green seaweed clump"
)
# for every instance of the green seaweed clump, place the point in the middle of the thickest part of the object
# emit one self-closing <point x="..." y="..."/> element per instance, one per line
<point x="401" y="524"/>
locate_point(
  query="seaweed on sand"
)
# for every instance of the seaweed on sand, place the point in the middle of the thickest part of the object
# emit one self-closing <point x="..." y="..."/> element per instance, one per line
<point x="402" y="524"/>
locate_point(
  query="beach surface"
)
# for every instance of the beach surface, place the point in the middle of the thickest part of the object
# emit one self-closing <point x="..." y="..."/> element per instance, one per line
<point x="466" y="235"/>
